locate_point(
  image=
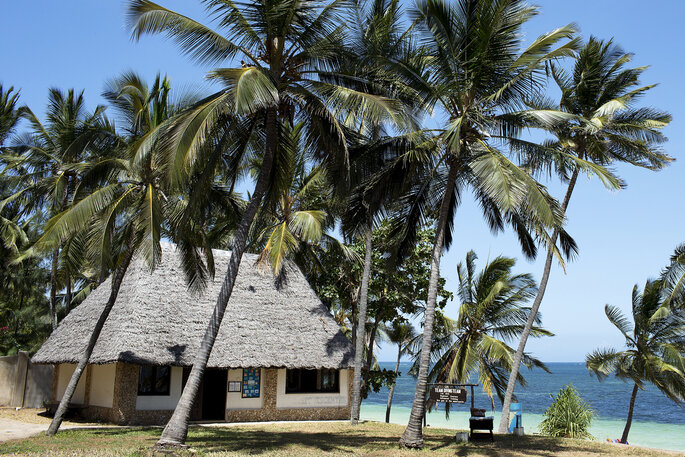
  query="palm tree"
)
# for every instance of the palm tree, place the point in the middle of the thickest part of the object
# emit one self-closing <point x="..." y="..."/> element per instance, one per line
<point x="46" y="166"/>
<point x="290" y="51"/>
<point x="473" y="70"/>
<point x="673" y="278"/>
<point x="377" y="35"/>
<point x="297" y="217"/>
<point x="403" y="334"/>
<point x="10" y="113"/>
<point x="122" y="200"/>
<point x="595" y="124"/>
<point x="491" y="314"/>
<point x="655" y="347"/>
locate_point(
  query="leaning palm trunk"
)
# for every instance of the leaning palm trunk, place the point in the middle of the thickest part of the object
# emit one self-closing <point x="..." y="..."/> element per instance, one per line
<point x="392" y="387"/>
<point x="413" y="434"/>
<point x="117" y="278"/>
<point x="176" y="430"/>
<point x="361" y="330"/>
<point x="629" y="421"/>
<point x="518" y="357"/>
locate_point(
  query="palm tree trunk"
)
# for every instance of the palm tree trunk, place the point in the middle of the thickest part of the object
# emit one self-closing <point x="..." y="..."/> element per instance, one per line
<point x="361" y="330"/>
<point x="518" y="357"/>
<point x="391" y="392"/>
<point x="413" y="434"/>
<point x="53" y="288"/>
<point x="176" y="430"/>
<point x="67" y="295"/>
<point x="629" y="421"/>
<point x="117" y="278"/>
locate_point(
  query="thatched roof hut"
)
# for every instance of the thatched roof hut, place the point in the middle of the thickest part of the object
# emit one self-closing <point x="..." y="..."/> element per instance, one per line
<point x="158" y="321"/>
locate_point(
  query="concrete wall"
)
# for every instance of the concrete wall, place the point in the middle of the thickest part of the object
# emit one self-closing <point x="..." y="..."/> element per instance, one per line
<point x="163" y="402"/>
<point x="23" y="384"/>
<point x="235" y="400"/>
<point x="101" y="392"/>
<point x="317" y="400"/>
<point x="63" y="376"/>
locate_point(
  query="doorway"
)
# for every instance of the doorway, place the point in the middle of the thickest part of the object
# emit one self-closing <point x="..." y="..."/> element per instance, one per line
<point x="214" y="387"/>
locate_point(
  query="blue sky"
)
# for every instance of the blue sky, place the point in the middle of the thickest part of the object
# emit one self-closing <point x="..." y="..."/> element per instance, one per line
<point x="624" y="237"/>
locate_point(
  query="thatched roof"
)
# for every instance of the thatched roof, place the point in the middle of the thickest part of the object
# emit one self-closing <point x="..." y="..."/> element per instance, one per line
<point x="156" y="320"/>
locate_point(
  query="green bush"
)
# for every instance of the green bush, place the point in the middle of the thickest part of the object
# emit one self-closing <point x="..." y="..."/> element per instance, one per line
<point x="568" y="416"/>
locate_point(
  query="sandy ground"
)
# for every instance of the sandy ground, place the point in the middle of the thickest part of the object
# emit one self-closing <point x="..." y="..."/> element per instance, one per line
<point x="25" y="422"/>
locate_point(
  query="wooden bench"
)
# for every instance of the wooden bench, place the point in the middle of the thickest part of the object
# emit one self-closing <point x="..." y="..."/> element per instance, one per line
<point x="478" y="422"/>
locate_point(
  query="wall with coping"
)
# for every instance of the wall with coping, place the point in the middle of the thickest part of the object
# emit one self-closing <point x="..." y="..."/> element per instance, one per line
<point x="235" y="400"/>
<point x="162" y="402"/>
<point x="312" y="400"/>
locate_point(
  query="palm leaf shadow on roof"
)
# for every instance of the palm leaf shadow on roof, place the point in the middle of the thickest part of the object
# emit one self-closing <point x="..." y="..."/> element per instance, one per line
<point x="158" y="321"/>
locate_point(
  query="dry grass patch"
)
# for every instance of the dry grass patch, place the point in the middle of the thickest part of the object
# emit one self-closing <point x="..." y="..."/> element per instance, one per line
<point x="309" y="439"/>
<point x="34" y="416"/>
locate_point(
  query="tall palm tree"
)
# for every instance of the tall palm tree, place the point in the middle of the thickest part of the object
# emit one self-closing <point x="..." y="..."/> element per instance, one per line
<point x="595" y="125"/>
<point x="122" y="200"/>
<point x="655" y="348"/>
<point x="376" y="35"/>
<point x="491" y="313"/>
<point x="403" y="334"/>
<point x="47" y="164"/>
<point x="290" y="51"/>
<point x="473" y="70"/>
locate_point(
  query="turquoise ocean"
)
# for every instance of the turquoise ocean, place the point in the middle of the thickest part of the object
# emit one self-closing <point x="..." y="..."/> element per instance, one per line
<point x="657" y="421"/>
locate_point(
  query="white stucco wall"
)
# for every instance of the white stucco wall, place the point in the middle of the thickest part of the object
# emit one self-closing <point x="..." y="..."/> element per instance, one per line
<point x="102" y="385"/>
<point x="284" y="400"/>
<point x="64" y="375"/>
<point x="163" y="402"/>
<point x="235" y="400"/>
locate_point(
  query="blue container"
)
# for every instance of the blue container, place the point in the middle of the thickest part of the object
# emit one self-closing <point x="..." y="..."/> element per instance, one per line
<point x="515" y="419"/>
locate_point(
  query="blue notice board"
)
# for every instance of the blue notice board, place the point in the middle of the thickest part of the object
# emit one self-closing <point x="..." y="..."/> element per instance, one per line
<point x="251" y="382"/>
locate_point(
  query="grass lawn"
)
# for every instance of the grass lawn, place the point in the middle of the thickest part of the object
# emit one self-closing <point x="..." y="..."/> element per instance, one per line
<point x="307" y="439"/>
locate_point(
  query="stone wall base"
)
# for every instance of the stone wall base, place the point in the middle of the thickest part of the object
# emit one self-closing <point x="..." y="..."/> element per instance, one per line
<point x="294" y="414"/>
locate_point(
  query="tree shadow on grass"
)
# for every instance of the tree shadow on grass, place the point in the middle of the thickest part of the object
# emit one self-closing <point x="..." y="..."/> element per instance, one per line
<point x="211" y="439"/>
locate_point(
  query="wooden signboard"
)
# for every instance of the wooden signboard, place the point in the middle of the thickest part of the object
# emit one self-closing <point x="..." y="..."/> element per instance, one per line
<point x="448" y="394"/>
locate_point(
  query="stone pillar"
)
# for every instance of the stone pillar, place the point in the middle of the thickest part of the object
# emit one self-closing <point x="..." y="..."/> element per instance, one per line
<point x="125" y="393"/>
<point x="17" y="397"/>
<point x="270" y="391"/>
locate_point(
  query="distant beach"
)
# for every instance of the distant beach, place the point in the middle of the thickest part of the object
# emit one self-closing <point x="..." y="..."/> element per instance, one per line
<point x="657" y="423"/>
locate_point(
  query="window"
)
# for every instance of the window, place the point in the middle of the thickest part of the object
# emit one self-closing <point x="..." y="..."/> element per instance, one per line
<point x="301" y="381"/>
<point x="154" y="380"/>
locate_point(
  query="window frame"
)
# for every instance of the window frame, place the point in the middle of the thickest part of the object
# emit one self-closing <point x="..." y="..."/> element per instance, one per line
<point x="155" y="376"/>
<point x="318" y="382"/>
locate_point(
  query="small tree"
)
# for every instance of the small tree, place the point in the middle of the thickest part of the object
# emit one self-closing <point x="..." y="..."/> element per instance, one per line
<point x="569" y="416"/>
<point x="655" y="347"/>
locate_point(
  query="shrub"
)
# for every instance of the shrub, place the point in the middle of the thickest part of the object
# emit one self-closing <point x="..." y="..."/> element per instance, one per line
<point x="568" y="416"/>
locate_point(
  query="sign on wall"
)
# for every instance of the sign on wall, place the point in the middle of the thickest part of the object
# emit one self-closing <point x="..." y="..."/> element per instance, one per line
<point x="251" y="382"/>
<point x="448" y="394"/>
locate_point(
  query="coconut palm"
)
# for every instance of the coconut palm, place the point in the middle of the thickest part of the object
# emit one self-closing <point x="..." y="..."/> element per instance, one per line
<point x="290" y="51"/>
<point x="595" y="124"/>
<point x="122" y="201"/>
<point x="297" y="217"/>
<point x="673" y="278"/>
<point x="403" y="334"/>
<point x="10" y="113"/>
<point x="491" y="314"/>
<point x="655" y="350"/>
<point x="46" y="165"/>
<point x="472" y="69"/>
<point x="376" y="36"/>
